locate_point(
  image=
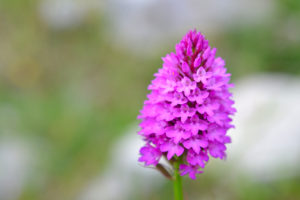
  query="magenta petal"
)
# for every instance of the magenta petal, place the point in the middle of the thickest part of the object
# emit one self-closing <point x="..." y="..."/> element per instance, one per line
<point x="172" y="149"/>
<point x="195" y="144"/>
<point x="186" y="68"/>
<point x="150" y="155"/>
<point x="197" y="61"/>
<point x="191" y="170"/>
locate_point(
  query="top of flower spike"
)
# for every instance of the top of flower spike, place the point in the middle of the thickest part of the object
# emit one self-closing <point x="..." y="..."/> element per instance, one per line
<point x="187" y="111"/>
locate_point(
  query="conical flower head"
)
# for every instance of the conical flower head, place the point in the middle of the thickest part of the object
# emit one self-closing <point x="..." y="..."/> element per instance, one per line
<point x="187" y="113"/>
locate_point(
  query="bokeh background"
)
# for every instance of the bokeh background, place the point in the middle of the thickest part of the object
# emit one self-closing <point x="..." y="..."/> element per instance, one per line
<point x="74" y="73"/>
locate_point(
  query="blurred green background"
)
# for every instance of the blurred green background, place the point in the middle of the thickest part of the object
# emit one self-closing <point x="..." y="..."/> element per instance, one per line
<point x="71" y="92"/>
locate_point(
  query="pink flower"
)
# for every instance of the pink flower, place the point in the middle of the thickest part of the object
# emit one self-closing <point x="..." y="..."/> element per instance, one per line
<point x="194" y="124"/>
<point x="219" y="118"/>
<point x="186" y="85"/>
<point x="217" y="150"/>
<point x="150" y="155"/>
<point x="165" y="112"/>
<point x="172" y="149"/>
<point x="177" y="132"/>
<point x="202" y="76"/>
<point x="195" y="143"/>
<point x="198" y="96"/>
<point x="190" y="170"/>
<point x="184" y="112"/>
<point x="215" y="133"/>
<point x="208" y="107"/>
<point x="197" y="159"/>
<point x="187" y="113"/>
<point x="176" y="98"/>
<point x="151" y="125"/>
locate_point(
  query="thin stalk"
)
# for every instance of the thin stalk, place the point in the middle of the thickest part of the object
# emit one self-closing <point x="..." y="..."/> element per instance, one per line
<point x="177" y="182"/>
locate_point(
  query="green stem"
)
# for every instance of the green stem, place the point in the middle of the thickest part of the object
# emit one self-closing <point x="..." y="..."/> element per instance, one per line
<point x="177" y="182"/>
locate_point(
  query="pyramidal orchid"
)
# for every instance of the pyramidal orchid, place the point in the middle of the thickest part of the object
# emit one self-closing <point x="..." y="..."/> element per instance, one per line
<point x="187" y="113"/>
